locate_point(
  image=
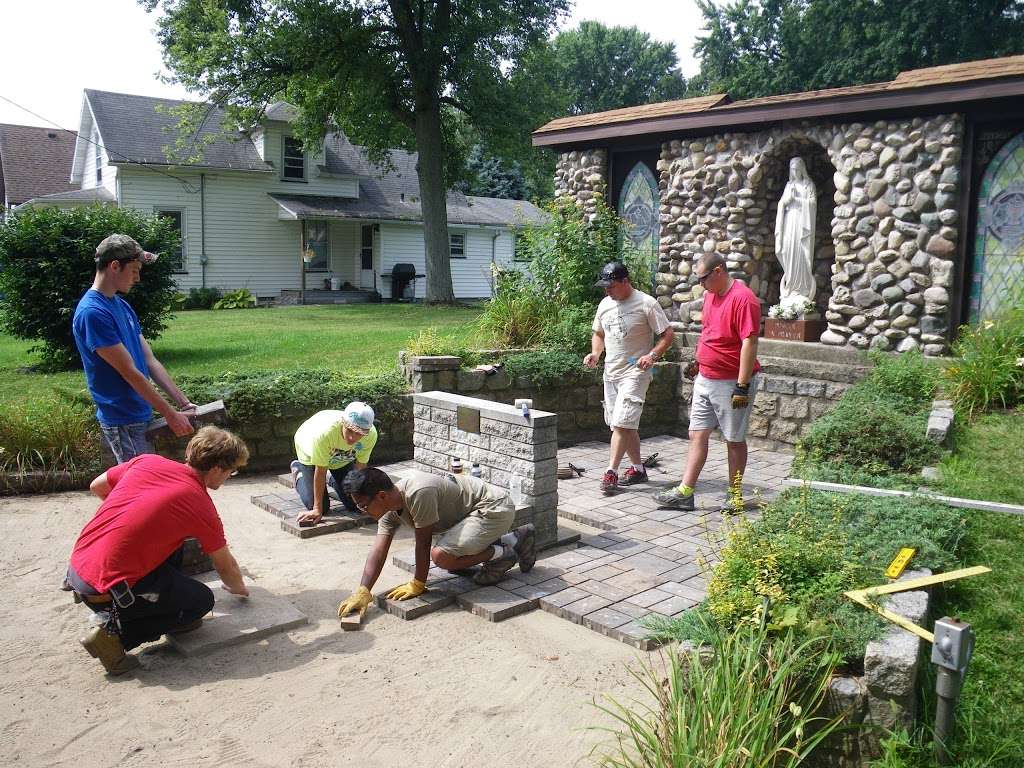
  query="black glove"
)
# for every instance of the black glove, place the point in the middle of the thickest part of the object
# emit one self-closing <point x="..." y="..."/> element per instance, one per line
<point x="741" y="396"/>
<point x="692" y="370"/>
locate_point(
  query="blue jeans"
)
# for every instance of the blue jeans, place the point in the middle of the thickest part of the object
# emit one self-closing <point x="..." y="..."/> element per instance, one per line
<point x="126" y="441"/>
<point x="304" y="485"/>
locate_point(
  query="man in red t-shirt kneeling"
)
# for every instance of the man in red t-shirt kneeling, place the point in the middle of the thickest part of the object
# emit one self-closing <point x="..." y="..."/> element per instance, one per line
<point x="726" y="381"/>
<point x="125" y="564"/>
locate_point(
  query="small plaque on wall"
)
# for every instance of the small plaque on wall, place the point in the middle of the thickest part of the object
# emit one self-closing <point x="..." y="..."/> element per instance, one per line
<point x="467" y="419"/>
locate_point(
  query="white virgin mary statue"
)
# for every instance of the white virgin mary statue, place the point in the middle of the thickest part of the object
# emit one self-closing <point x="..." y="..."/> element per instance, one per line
<point x="794" y="233"/>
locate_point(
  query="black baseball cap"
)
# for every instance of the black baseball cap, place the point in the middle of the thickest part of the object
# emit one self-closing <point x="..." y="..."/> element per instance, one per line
<point x="613" y="272"/>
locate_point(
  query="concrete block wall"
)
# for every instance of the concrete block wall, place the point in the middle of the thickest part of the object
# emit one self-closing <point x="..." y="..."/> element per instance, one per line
<point x="577" y="401"/>
<point x="507" y="444"/>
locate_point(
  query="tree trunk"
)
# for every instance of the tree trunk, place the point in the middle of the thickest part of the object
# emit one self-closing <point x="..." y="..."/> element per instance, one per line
<point x="434" y="204"/>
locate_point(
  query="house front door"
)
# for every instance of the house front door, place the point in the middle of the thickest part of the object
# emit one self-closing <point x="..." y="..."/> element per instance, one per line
<point x="367" y="275"/>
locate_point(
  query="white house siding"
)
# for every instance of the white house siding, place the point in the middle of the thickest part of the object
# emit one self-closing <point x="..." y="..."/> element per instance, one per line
<point x="247" y="245"/>
<point x="471" y="277"/>
<point x="345" y="244"/>
<point x="347" y="186"/>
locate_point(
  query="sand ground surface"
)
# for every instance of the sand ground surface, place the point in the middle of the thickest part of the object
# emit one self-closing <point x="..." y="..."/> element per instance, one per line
<point x="446" y="690"/>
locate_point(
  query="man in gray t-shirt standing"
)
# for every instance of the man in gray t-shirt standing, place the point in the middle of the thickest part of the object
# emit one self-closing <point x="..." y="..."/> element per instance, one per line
<point x="626" y="322"/>
<point x="471" y="520"/>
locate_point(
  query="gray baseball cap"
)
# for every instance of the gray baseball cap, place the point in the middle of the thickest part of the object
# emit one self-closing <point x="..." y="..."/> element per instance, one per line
<point x="122" y="248"/>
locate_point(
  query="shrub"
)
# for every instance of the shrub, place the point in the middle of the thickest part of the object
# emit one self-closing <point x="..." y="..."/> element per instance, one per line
<point x="909" y="377"/>
<point x="749" y="701"/>
<point x="264" y="396"/>
<point x="46" y="264"/>
<point x="546" y="366"/>
<point x="50" y="435"/>
<point x="572" y="331"/>
<point x="202" y="298"/>
<point x="517" y="315"/>
<point x="809" y="547"/>
<point x="240" y="299"/>
<point x="990" y="369"/>
<point x="868" y="432"/>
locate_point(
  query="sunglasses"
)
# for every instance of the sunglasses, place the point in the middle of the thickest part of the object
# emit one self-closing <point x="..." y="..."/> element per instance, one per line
<point x="703" y="278"/>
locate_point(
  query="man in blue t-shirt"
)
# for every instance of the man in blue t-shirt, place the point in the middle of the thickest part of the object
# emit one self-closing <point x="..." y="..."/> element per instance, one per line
<point x="118" y="361"/>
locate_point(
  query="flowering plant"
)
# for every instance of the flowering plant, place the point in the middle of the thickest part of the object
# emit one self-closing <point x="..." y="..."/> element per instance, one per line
<point x="792" y="308"/>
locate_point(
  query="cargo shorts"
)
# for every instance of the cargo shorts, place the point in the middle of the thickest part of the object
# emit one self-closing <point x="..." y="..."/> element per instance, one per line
<point x="624" y="400"/>
<point x="712" y="407"/>
<point x="481" y="528"/>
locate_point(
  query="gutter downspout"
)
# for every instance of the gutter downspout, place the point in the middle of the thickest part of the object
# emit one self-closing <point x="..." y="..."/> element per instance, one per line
<point x="494" y="241"/>
<point x="202" y="225"/>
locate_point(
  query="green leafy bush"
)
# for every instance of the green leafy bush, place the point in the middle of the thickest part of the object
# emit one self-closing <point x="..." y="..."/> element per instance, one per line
<point x="808" y="548"/>
<point x="238" y="299"/>
<point x="990" y="369"/>
<point x="571" y="332"/>
<point x="51" y="435"/>
<point x="750" y="700"/>
<point x="517" y="315"/>
<point x="545" y="366"/>
<point x="871" y="433"/>
<point x="909" y="377"/>
<point x="46" y="264"/>
<point x="261" y="397"/>
<point x="202" y="298"/>
<point x="878" y="428"/>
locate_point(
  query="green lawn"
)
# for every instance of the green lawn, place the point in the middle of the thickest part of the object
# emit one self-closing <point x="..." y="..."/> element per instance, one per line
<point x="988" y="453"/>
<point x="352" y="337"/>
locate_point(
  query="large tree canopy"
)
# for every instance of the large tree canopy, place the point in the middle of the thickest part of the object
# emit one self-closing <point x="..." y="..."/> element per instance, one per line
<point x="765" y="47"/>
<point x="389" y="73"/>
<point x="599" y="68"/>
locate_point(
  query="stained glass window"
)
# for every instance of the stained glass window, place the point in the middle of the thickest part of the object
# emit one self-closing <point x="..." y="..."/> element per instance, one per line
<point x="639" y="206"/>
<point x="998" y="276"/>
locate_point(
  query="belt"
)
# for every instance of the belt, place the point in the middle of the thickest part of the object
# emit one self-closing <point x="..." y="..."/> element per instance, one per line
<point x="96" y="599"/>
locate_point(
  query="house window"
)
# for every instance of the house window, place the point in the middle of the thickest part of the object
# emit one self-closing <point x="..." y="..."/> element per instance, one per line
<point x="177" y="219"/>
<point x="457" y="246"/>
<point x="366" y="248"/>
<point x="294" y="166"/>
<point x="519" y="250"/>
<point x="99" y="159"/>
<point x="315" y="238"/>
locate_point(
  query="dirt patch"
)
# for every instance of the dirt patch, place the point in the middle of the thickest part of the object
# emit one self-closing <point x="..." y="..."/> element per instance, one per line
<point x="445" y="690"/>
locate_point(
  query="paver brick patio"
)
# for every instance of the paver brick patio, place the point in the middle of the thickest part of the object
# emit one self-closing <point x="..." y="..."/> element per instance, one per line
<point x="645" y="560"/>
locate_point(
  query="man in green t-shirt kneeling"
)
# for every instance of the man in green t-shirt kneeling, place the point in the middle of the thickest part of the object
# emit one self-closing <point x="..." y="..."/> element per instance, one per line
<point x="333" y="442"/>
<point x="472" y="522"/>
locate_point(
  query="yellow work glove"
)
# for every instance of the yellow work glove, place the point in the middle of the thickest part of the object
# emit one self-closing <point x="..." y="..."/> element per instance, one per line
<point x="692" y="370"/>
<point x="358" y="601"/>
<point x="414" y="588"/>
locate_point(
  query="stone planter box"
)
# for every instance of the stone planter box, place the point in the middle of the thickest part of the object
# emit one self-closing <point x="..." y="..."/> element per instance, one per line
<point x="793" y="330"/>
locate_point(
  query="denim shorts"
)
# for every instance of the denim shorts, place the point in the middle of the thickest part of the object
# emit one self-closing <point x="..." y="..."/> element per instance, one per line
<point x="126" y="441"/>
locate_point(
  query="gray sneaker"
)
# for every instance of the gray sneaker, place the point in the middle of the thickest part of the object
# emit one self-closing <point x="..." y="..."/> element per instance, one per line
<point x="494" y="570"/>
<point x="526" y="546"/>
<point x="673" y="499"/>
<point x="731" y="506"/>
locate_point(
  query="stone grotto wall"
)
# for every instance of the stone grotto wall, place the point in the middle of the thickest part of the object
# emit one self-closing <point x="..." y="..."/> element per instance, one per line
<point x="581" y="176"/>
<point x="887" y="226"/>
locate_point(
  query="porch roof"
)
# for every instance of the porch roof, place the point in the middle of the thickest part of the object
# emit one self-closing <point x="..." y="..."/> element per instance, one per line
<point x="462" y="209"/>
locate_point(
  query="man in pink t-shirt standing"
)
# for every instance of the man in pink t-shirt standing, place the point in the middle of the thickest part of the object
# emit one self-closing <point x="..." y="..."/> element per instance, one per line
<point x="727" y="377"/>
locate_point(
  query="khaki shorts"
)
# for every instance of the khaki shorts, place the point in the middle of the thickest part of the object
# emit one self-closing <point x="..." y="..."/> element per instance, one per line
<point x="712" y="407"/>
<point x="624" y="401"/>
<point x="484" y="526"/>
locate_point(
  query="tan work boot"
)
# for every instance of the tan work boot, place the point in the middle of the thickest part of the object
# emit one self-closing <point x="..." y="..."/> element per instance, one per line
<point x="106" y="647"/>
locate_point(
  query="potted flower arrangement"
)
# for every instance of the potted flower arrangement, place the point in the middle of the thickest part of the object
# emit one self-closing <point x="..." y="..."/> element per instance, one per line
<point x="794" y="318"/>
